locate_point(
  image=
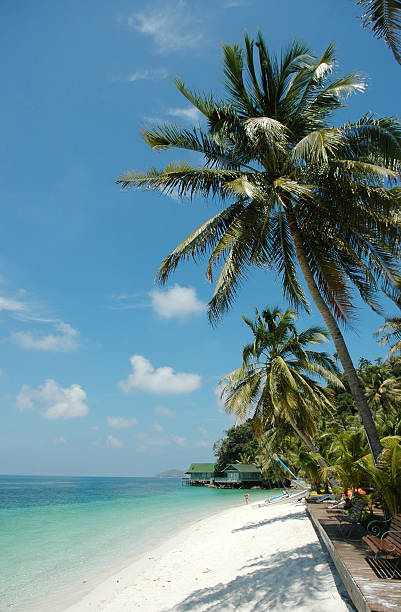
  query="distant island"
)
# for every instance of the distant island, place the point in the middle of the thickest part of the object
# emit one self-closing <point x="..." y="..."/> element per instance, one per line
<point x="170" y="474"/>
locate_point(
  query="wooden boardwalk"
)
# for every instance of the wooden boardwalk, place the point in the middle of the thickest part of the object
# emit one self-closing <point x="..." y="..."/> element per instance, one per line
<point x="364" y="579"/>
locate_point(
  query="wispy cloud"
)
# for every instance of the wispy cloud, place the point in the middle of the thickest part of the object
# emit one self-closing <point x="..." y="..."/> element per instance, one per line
<point x="179" y="440"/>
<point x="176" y="302"/>
<point x="147" y="74"/>
<point x="149" y="441"/>
<point x="171" y="25"/>
<point x="55" y="401"/>
<point x="179" y="302"/>
<point x="60" y="441"/>
<point x="161" y="380"/>
<point x="128" y="301"/>
<point x="11" y="305"/>
<point x="190" y="113"/>
<point x="115" y="442"/>
<point x="236" y="3"/>
<point x="67" y="340"/>
<point x="20" y="306"/>
<point x="163" y="411"/>
<point x="157" y="427"/>
<point x="120" y="422"/>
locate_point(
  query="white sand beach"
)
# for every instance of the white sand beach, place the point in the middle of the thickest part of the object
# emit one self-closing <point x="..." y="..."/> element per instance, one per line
<point x="246" y="558"/>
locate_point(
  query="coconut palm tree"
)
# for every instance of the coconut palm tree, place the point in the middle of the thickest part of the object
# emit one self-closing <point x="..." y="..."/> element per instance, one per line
<point x="382" y="390"/>
<point x="386" y="475"/>
<point x="383" y="17"/>
<point x="277" y="380"/>
<point x="299" y="194"/>
<point x="390" y="332"/>
<point x="346" y="447"/>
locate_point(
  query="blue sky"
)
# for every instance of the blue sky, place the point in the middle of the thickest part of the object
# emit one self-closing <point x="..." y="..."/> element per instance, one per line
<point x="102" y="372"/>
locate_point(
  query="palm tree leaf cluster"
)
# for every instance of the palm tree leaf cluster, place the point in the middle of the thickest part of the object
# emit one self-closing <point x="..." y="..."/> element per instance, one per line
<point x="383" y="17"/>
<point x="293" y="192"/>
<point x="270" y="150"/>
<point x="280" y="376"/>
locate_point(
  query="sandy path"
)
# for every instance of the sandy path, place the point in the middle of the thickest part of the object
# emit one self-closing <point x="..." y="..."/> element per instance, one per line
<point x="244" y="559"/>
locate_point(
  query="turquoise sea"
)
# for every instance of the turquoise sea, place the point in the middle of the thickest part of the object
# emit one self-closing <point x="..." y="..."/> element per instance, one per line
<point x="60" y="536"/>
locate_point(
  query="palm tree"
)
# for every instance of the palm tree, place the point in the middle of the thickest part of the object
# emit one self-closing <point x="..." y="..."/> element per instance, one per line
<point x="277" y="378"/>
<point x="386" y="475"/>
<point x="346" y="448"/>
<point x="382" y="390"/>
<point x="390" y="332"/>
<point x="299" y="192"/>
<point x="383" y="17"/>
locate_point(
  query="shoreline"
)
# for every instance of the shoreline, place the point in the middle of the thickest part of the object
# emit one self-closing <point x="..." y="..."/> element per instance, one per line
<point x="75" y="591"/>
<point x="242" y="558"/>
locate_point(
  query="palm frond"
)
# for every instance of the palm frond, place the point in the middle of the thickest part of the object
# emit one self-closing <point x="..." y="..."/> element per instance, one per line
<point x="383" y="17"/>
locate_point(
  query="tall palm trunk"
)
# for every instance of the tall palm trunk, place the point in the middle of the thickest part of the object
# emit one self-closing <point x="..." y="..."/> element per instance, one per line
<point x="341" y="348"/>
<point x="314" y="449"/>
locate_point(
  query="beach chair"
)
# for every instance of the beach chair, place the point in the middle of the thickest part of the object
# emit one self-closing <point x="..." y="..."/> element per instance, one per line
<point x="389" y="543"/>
<point x="338" y="504"/>
<point x="353" y="516"/>
<point x="321" y="498"/>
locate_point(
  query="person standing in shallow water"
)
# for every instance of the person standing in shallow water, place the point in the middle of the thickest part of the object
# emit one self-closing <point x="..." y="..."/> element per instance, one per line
<point x="246" y="497"/>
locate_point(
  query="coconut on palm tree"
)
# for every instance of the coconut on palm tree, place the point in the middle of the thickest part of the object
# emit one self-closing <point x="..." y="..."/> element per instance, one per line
<point x="278" y="379"/>
<point x="297" y="194"/>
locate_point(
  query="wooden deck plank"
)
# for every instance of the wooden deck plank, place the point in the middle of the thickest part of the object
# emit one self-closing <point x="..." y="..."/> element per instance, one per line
<point x="368" y="592"/>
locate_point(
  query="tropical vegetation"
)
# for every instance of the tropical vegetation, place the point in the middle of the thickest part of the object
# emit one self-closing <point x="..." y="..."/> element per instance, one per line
<point x="383" y="17"/>
<point x="280" y="377"/>
<point x="238" y="444"/>
<point x="299" y="194"/>
<point x="341" y="440"/>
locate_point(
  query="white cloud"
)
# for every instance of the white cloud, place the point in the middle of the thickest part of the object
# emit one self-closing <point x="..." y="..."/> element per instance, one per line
<point x="162" y="380"/>
<point x="157" y="427"/>
<point x="65" y="341"/>
<point x="60" y="441"/>
<point x="190" y="113"/>
<point x="176" y="302"/>
<point x="203" y="444"/>
<point x="235" y="3"/>
<point x="162" y="411"/>
<point x="94" y="427"/>
<point x="11" y="305"/>
<point x="22" y="309"/>
<point x="120" y="423"/>
<point x="155" y="74"/>
<point x="55" y="401"/>
<point x="127" y="301"/>
<point x="171" y="26"/>
<point x="179" y="440"/>
<point x="115" y="442"/>
<point x="152" y="441"/>
<point x="204" y="432"/>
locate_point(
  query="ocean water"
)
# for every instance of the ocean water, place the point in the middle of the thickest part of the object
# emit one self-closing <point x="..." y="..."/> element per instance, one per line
<point x="60" y="536"/>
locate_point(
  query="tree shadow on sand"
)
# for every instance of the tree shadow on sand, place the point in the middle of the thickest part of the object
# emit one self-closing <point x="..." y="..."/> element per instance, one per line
<point x="286" y="581"/>
<point x="295" y="515"/>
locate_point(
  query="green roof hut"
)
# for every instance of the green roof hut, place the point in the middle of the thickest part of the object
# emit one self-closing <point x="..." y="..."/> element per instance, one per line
<point x="201" y="472"/>
<point x="242" y="472"/>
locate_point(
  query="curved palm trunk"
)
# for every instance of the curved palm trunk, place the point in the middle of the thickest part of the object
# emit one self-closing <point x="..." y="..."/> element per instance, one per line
<point x="314" y="449"/>
<point x="341" y="348"/>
